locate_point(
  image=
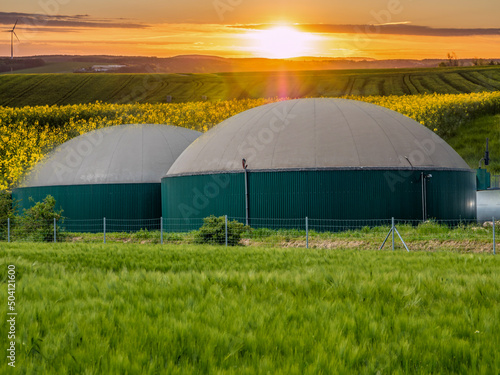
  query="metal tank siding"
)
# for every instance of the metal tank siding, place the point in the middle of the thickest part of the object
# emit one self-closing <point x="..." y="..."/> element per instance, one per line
<point x="320" y="158"/>
<point x="91" y="203"/>
<point x="488" y="205"/>
<point x="321" y="194"/>
<point x="113" y="172"/>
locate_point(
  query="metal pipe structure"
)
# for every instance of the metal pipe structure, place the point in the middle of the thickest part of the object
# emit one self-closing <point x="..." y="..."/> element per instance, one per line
<point x="161" y="230"/>
<point x="487" y="153"/>
<point x="247" y="198"/>
<point x="425" y="197"/>
<point x="307" y="232"/>
<point x="494" y="239"/>
<point x="422" y="177"/>
<point x="225" y="227"/>
<point x="392" y="230"/>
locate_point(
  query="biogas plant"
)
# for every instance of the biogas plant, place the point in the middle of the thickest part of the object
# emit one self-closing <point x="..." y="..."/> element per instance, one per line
<point x="319" y="158"/>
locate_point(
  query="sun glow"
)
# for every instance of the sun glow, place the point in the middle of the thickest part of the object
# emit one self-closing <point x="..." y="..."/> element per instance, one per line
<point x="281" y="42"/>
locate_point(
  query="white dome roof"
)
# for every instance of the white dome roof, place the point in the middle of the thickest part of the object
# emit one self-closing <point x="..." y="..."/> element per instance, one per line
<point x="116" y="154"/>
<point x="317" y="134"/>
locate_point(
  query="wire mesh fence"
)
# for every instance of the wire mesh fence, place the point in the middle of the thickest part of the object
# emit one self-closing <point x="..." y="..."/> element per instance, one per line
<point x="411" y="235"/>
<point x="495" y="181"/>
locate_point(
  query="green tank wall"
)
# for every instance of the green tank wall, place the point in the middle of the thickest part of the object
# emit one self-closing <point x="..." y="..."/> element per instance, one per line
<point x="140" y="202"/>
<point x="322" y="194"/>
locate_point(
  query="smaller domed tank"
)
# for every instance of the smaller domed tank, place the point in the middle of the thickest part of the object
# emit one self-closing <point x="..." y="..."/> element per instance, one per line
<point x="113" y="172"/>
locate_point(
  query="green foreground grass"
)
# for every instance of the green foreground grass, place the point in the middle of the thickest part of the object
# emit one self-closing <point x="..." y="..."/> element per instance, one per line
<point x="131" y="309"/>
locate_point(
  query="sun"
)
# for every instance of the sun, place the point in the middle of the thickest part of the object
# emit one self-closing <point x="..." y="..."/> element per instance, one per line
<point x="281" y="42"/>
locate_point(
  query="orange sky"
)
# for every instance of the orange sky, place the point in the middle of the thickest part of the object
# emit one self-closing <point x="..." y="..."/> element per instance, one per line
<point x="236" y="28"/>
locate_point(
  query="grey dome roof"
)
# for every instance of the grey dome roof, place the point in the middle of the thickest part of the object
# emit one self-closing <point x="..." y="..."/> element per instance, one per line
<point x="316" y="134"/>
<point x="116" y="154"/>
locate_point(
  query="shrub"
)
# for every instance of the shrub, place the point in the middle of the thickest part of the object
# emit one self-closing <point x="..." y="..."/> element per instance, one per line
<point x="431" y="227"/>
<point x="37" y="222"/>
<point x="213" y="231"/>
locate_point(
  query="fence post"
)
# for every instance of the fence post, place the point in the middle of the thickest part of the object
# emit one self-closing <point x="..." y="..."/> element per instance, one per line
<point x="225" y="220"/>
<point x="55" y="232"/>
<point x="161" y="229"/>
<point x="8" y="229"/>
<point x="104" y="228"/>
<point x="307" y="232"/>
<point x="494" y="239"/>
<point x="393" y="234"/>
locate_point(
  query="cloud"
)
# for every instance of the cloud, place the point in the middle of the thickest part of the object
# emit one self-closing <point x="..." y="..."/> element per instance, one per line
<point x="63" y="21"/>
<point x="120" y="42"/>
<point x="402" y="28"/>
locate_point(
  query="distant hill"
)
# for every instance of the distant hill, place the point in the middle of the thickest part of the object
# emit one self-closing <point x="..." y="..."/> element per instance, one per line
<point x="48" y="89"/>
<point x="215" y="64"/>
<point x="10" y="65"/>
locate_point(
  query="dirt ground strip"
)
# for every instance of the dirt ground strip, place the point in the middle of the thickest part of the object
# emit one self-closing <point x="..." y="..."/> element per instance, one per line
<point x="467" y="246"/>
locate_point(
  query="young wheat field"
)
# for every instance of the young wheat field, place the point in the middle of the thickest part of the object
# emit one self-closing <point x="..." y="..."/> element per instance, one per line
<point x="185" y="309"/>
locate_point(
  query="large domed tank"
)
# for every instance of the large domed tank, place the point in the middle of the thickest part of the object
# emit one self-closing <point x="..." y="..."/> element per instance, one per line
<point x="320" y="158"/>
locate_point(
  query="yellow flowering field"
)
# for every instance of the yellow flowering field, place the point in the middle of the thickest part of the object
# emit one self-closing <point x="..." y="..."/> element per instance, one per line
<point x="27" y="134"/>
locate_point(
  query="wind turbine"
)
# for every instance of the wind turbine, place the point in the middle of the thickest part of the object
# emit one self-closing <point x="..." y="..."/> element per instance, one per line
<point x="12" y="33"/>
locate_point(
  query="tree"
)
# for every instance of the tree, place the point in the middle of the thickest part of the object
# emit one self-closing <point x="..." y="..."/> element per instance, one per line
<point x="37" y="222"/>
<point x="452" y="59"/>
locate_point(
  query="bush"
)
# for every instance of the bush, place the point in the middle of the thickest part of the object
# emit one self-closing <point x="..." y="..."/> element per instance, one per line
<point x="213" y="231"/>
<point x="37" y="222"/>
<point x="431" y="227"/>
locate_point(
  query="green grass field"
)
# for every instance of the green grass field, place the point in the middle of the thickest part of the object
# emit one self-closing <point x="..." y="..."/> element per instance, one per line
<point x="131" y="309"/>
<point x="49" y="89"/>
<point x="470" y="141"/>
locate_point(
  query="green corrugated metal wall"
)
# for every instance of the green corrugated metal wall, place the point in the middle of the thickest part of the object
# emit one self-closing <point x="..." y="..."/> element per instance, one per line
<point x="483" y="179"/>
<point x="335" y="194"/>
<point x="202" y="196"/>
<point x="87" y="202"/>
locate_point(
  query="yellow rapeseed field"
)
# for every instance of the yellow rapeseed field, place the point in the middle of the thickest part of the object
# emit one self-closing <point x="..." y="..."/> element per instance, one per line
<point x="28" y="134"/>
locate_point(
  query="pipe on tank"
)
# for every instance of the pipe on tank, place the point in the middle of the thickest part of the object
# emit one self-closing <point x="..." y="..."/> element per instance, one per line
<point x="424" y="177"/>
<point x="247" y="198"/>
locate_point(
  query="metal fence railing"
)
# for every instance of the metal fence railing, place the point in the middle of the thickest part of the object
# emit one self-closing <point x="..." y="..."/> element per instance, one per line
<point x="455" y="235"/>
<point x="495" y="181"/>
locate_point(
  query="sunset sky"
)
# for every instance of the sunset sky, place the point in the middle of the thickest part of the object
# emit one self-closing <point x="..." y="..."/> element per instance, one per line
<point x="254" y="28"/>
